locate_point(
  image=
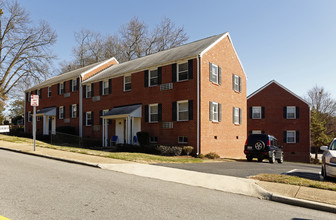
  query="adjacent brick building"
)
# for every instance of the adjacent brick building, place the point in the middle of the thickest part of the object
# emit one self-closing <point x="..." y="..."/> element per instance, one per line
<point x="275" y="110"/>
<point x="194" y="95"/>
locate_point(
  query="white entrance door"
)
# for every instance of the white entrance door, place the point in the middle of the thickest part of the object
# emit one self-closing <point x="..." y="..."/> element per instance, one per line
<point x="120" y="130"/>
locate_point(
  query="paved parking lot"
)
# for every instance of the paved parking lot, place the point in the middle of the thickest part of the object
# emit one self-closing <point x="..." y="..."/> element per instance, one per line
<point x="245" y="169"/>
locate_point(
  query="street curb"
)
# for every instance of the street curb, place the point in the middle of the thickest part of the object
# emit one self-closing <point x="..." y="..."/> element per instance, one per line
<point x="303" y="203"/>
<point x="53" y="158"/>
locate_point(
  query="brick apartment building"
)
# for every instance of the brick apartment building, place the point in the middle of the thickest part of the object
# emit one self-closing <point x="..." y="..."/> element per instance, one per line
<point x="194" y="94"/>
<point x="275" y="110"/>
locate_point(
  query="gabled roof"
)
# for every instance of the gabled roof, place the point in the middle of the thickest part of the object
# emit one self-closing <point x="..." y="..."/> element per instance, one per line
<point x="275" y="82"/>
<point x="187" y="51"/>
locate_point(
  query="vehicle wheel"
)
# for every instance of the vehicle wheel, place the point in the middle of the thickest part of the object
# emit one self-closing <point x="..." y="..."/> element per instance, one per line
<point x="281" y="159"/>
<point x="249" y="159"/>
<point x="272" y="158"/>
<point x="260" y="159"/>
<point x="259" y="145"/>
<point x="323" y="173"/>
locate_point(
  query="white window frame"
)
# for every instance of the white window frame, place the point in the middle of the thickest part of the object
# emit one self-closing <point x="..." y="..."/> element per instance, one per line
<point x="87" y="118"/>
<point x="215" y="114"/>
<point x="61" y="88"/>
<point x="88" y="91"/>
<point x="150" y="77"/>
<point x="29" y="116"/>
<point x="130" y="76"/>
<point x="105" y="86"/>
<point x="74" y="106"/>
<point x="178" y="110"/>
<point x="153" y="139"/>
<point x="73" y="85"/>
<point x="49" y="91"/>
<point x="287" y="140"/>
<point x="260" y="112"/>
<point x="61" y="113"/>
<point x="287" y="112"/>
<point x="236" y="83"/>
<point x="178" y="72"/>
<point x="236" y="116"/>
<point x="150" y="113"/>
<point x="215" y="73"/>
<point x="182" y="139"/>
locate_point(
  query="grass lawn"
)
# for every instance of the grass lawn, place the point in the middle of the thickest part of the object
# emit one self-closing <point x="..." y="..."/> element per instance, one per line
<point x="294" y="180"/>
<point x="136" y="157"/>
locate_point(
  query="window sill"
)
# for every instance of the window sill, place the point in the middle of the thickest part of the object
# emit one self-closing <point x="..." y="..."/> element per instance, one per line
<point x="153" y="122"/>
<point x="182" y="142"/>
<point x="215" y="122"/>
<point x="184" y="80"/>
<point x="236" y="124"/>
<point x="182" y="120"/>
<point x="152" y="85"/>
<point x="127" y="90"/>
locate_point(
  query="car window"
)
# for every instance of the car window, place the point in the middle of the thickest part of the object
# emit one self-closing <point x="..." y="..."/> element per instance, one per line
<point x="333" y="146"/>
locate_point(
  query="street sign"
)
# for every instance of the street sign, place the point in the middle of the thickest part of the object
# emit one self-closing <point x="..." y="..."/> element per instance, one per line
<point x="34" y="100"/>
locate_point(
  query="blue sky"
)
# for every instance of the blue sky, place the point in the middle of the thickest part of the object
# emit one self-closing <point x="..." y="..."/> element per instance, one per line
<point x="291" y="41"/>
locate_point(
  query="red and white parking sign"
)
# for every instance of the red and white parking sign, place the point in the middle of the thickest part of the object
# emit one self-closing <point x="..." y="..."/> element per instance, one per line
<point x="34" y="100"/>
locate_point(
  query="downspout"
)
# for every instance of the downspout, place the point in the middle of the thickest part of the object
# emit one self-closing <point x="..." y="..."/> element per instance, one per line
<point x="80" y="107"/>
<point x="198" y="105"/>
<point x="24" y="113"/>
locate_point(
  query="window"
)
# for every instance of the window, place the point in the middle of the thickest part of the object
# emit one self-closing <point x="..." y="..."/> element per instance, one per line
<point x="153" y="113"/>
<point x="38" y="118"/>
<point x="61" y="112"/>
<point x="74" y="86"/>
<point x="256" y="112"/>
<point x="49" y="91"/>
<point x="88" y="118"/>
<point x="214" y="111"/>
<point x="291" y="137"/>
<point x="29" y="96"/>
<point x="88" y="91"/>
<point x="105" y="111"/>
<point x="61" y="88"/>
<point x="213" y="73"/>
<point x="153" y="139"/>
<point x="182" y="72"/>
<point x="182" y="140"/>
<point x="182" y="111"/>
<point x="153" y="78"/>
<point x="256" y="132"/>
<point x="127" y="83"/>
<point x="236" y="116"/>
<point x="74" y="111"/>
<point x="236" y="83"/>
<point x="105" y="88"/>
<point x="38" y="92"/>
<point x="291" y="113"/>
<point x="29" y="119"/>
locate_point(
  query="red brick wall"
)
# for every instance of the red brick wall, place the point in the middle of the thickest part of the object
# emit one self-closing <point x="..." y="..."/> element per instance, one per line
<point x="230" y="138"/>
<point x="274" y="98"/>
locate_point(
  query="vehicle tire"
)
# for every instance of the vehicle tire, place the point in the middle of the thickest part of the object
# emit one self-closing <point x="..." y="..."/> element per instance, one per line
<point x="260" y="159"/>
<point x="281" y="159"/>
<point x="324" y="174"/>
<point x="259" y="145"/>
<point x="249" y="159"/>
<point x="272" y="158"/>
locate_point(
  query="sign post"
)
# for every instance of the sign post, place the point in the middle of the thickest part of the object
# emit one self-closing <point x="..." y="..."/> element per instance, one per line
<point x="34" y="101"/>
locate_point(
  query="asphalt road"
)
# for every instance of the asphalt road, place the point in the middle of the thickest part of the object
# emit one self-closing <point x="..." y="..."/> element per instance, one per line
<point x="39" y="188"/>
<point x="245" y="169"/>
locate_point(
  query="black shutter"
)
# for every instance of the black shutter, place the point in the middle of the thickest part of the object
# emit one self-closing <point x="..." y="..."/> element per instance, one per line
<point x="40" y="94"/>
<point x="297" y="111"/>
<point x="190" y="109"/>
<point x="110" y="86"/>
<point x="210" y="109"/>
<point x="219" y="112"/>
<point x="146" y="78"/>
<point x="239" y="83"/>
<point x="174" y="72"/>
<point x="77" y="111"/>
<point x="159" y="75"/>
<point x="297" y="136"/>
<point x="101" y="87"/>
<point x="57" y="112"/>
<point x="77" y="86"/>
<point x="92" y="118"/>
<point x="27" y="97"/>
<point x="63" y="88"/>
<point x="64" y="112"/>
<point x="84" y="91"/>
<point x="285" y="136"/>
<point x="100" y="119"/>
<point x="262" y="112"/>
<point x="84" y="119"/>
<point x="250" y="115"/>
<point x="70" y="111"/>
<point x="146" y="113"/>
<point x="285" y="111"/>
<point x="190" y="69"/>
<point x="210" y="71"/>
<point x="159" y="112"/>
<point x="92" y="89"/>
<point x="219" y="75"/>
<point x="174" y="111"/>
<point x="58" y="88"/>
<point x="70" y="86"/>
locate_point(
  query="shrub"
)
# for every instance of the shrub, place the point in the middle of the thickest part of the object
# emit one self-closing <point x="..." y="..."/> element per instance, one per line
<point x="201" y="156"/>
<point x="143" y="137"/>
<point x="212" y="155"/>
<point x="187" y="150"/>
<point x="169" y="150"/>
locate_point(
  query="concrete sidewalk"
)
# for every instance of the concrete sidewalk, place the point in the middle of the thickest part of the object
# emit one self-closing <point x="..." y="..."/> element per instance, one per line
<point x="295" y="195"/>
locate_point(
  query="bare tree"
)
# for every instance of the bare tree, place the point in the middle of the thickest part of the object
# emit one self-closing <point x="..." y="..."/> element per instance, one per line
<point x="321" y="100"/>
<point x="24" y="48"/>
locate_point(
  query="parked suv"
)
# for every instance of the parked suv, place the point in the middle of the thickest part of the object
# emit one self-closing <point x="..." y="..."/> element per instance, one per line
<point x="263" y="146"/>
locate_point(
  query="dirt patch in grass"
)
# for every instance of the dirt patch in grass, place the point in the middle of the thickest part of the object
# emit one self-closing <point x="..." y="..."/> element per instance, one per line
<point x="294" y="180"/>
